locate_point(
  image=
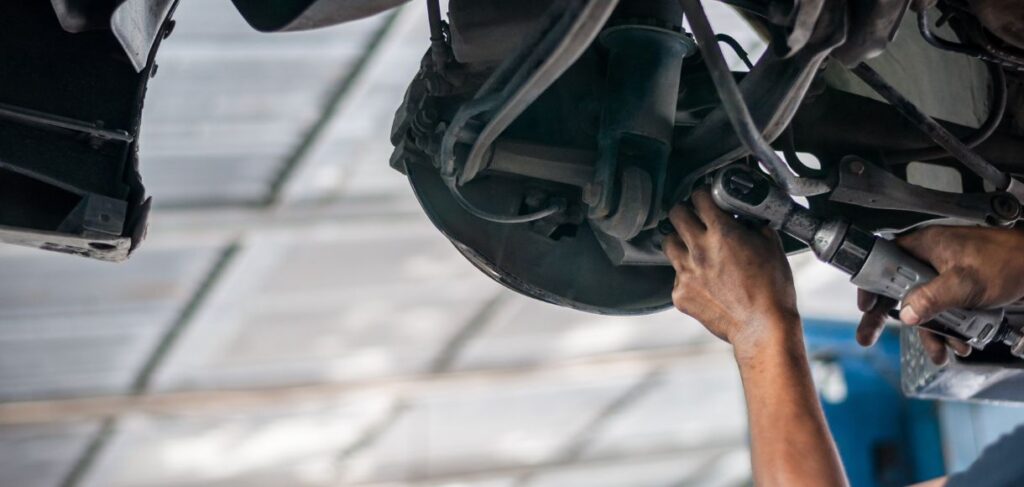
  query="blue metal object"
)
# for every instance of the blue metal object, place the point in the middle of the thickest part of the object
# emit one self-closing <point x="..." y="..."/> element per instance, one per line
<point x="884" y="438"/>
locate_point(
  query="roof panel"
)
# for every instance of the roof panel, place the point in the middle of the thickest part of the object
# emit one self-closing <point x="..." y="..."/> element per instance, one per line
<point x="698" y="403"/>
<point x="367" y="301"/>
<point x="530" y="332"/>
<point x="351" y="341"/>
<point x="96" y="354"/>
<point x="483" y="428"/>
<point x="72" y="326"/>
<point x="286" y="446"/>
<point x="46" y="283"/>
<point x="219" y="81"/>
<point x="40" y="456"/>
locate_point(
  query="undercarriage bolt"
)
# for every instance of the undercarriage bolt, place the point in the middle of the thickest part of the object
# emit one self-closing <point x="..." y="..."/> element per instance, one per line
<point x="1006" y="207"/>
<point x="665" y="227"/>
<point x="592" y="193"/>
<point x="856" y="167"/>
<point x="740" y="184"/>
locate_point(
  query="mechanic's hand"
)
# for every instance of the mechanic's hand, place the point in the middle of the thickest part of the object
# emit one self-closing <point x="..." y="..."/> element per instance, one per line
<point x="734" y="279"/>
<point x="978" y="268"/>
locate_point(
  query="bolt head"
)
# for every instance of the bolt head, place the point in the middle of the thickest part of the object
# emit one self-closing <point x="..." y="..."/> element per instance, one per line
<point x="592" y="193"/>
<point x="856" y="167"/>
<point x="1017" y="348"/>
<point x="740" y="183"/>
<point x="1006" y="207"/>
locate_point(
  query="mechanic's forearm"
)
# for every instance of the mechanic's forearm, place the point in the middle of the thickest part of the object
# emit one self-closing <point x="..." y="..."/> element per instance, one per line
<point x="791" y="443"/>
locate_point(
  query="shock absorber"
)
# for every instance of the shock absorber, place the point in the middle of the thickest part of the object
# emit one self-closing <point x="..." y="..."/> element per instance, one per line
<point x="646" y="47"/>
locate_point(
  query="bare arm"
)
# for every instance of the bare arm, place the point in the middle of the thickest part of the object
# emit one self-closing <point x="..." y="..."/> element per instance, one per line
<point x="791" y="443"/>
<point x="735" y="280"/>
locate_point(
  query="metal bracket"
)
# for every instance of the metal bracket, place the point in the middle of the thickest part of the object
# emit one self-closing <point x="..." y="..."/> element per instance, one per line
<point x="1016" y="188"/>
<point x="864" y="184"/>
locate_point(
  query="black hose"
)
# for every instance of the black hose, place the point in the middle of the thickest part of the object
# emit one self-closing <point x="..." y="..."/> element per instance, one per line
<point x="736" y="108"/>
<point x="924" y="25"/>
<point x="789" y="149"/>
<point x="736" y="48"/>
<point x="493" y="217"/>
<point x="997" y="109"/>
<point x="930" y="127"/>
<point x="438" y="50"/>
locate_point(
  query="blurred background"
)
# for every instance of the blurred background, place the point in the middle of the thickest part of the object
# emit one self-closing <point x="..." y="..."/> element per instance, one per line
<point x="294" y="319"/>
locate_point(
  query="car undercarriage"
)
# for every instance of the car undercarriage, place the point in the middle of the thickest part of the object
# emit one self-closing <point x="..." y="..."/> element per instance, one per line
<point x="548" y="140"/>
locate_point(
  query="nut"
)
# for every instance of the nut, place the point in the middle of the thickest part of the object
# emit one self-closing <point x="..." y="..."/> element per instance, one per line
<point x="856" y="167"/>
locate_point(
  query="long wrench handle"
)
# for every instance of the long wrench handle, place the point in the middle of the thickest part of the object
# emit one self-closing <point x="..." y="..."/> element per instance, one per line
<point x="891" y="272"/>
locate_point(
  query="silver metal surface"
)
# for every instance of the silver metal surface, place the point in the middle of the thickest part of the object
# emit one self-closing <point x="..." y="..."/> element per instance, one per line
<point x="957" y="379"/>
<point x="775" y="206"/>
<point x="862" y="183"/>
<point x="889" y="271"/>
<point x="136" y="25"/>
<point x="111" y="249"/>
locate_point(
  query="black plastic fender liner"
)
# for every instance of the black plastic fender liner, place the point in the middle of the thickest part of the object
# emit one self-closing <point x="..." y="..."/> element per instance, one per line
<point x="572" y="271"/>
<point x="292" y="15"/>
<point x="70" y="116"/>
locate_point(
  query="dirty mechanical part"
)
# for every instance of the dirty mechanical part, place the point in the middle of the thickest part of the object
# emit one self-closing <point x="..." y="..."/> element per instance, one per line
<point x="548" y="140"/>
<point x="74" y="76"/>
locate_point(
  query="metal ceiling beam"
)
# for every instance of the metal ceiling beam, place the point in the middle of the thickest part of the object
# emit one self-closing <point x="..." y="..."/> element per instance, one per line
<point x="214" y="402"/>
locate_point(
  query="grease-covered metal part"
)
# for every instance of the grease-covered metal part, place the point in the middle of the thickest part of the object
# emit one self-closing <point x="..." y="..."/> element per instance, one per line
<point x="772" y="92"/>
<point x="864" y="184"/>
<point x="550" y="152"/>
<point x="637" y="123"/>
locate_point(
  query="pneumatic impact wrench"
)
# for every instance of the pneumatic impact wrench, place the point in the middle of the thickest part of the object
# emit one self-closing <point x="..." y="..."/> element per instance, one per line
<point x="875" y="264"/>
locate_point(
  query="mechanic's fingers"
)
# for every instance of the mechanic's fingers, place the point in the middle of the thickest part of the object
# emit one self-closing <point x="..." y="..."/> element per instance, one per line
<point x="934" y="346"/>
<point x="866" y="300"/>
<point x="959" y="347"/>
<point x="686" y="223"/>
<point x="872" y="323"/>
<point x="870" y="328"/>
<point x="707" y="210"/>
<point x="676" y="252"/>
<point x="947" y="291"/>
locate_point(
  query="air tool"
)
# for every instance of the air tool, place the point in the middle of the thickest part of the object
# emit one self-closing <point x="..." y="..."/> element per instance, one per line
<point x="874" y="263"/>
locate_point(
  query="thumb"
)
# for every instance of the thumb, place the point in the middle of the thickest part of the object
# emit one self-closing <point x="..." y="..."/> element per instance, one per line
<point x="949" y="290"/>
